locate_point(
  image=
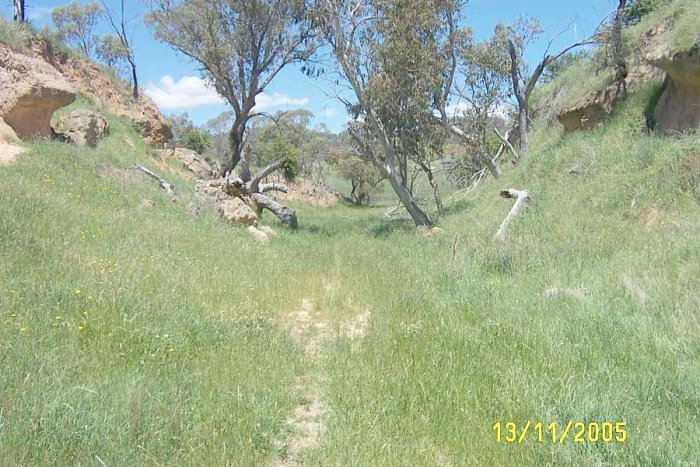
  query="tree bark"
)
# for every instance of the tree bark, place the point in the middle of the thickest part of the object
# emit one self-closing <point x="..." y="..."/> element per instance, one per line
<point x="286" y="215"/>
<point x="420" y="217"/>
<point x="19" y="11"/>
<point x="161" y="182"/>
<point x="433" y="183"/>
<point x="521" y="198"/>
<point x="616" y="36"/>
<point x="522" y="129"/>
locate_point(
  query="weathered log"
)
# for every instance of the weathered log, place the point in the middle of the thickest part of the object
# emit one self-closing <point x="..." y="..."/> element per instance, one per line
<point x="253" y="185"/>
<point x="265" y="187"/>
<point x="170" y="189"/>
<point x="286" y="215"/>
<point x="521" y="198"/>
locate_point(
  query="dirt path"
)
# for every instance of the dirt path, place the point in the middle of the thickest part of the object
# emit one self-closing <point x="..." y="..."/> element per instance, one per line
<point x="307" y="422"/>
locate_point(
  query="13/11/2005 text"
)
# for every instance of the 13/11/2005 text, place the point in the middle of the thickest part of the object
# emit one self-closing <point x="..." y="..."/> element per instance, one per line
<point x="578" y="432"/>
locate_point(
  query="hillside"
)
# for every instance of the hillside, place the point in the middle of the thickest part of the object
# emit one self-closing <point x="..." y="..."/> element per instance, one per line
<point x="135" y="330"/>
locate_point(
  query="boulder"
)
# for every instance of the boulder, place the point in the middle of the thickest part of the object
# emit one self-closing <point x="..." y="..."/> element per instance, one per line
<point x="237" y="212"/>
<point x="113" y="94"/>
<point x="82" y="127"/>
<point x="7" y="134"/>
<point x="8" y="147"/>
<point x="228" y="207"/>
<point x="593" y="109"/>
<point x="678" y="108"/>
<point x="193" y="162"/>
<point x="31" y="90"/>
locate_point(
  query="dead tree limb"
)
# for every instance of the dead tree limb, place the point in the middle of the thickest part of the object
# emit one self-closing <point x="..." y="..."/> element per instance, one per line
<point x="286" y="215"/>
<point x="265" y="172"/>
<point x="161" y="182"/>
<point x="252" y="192"/>
<point x="521" y="198"/>
<point x="504" y="139"/>
<point x="265" y="187"/>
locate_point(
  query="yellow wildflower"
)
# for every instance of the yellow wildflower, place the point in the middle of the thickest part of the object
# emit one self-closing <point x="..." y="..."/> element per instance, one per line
<point x="78" y="291"/>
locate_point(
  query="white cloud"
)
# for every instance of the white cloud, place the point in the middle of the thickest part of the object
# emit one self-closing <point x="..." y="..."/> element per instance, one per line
<point x="328" y="112"/>
<point x="186" y="93"/>
<point x="192" y="91"/>
<point x="268" y="101"/>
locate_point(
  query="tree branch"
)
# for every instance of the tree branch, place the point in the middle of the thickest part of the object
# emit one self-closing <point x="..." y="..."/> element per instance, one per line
<point x="161" y="182"/>
<point x="521" y="198"/>
<point x="265" y="172"/>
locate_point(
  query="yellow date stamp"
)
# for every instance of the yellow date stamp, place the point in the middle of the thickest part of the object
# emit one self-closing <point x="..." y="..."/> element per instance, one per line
<point x="572" y="431"/>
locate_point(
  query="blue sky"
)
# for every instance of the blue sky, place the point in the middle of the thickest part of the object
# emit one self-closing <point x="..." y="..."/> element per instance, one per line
<point x="175" y="84"/>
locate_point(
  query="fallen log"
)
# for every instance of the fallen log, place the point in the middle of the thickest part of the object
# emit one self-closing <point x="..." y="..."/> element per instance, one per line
<point x="170" y="189"/>
<point x="253" y="190"/>
<point x="286" y="215"/>
<point x="521" y="198"/>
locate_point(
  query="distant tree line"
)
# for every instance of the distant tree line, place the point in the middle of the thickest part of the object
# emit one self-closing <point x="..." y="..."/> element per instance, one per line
<point x="416" y="76"/>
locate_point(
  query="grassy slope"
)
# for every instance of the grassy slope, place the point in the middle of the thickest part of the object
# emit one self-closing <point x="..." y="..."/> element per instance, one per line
<point x="175" y="349"/>
<point x="586" y="76"/>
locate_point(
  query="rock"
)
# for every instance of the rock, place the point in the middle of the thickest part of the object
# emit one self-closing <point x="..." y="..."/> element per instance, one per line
<point x="30" y="91"/>
<point x="9" y="148"/>
<point x="308" y="192"/>
<point x="89" y="79"/>
<point x="237" y="212"/>
<point x="146" y="204"/>
<point x="268" y="230"/>
<point x="678" y="108"/>
<point x="8" y="153"/>
<point x="258" y="235"/>
<point x="228" y="207"/>
<point x="82" y="127"/>
<point x="193" y="162"/>
<point x="7" y="134"/>
<point x="593" y="109"/>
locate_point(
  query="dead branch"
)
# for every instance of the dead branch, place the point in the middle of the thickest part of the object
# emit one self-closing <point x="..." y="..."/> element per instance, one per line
<point x="521" y="198"/>
<point x="504" y="139"/>
<point x="286" y="215"/>
<point x="253" y="191"/>
<point x="170" y="189"/>
<point x="265" y="172"/>
<point x="265" y="187"/>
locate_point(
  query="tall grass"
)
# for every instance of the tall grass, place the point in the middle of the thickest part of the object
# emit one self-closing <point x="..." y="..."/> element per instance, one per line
<point x="132" y="335"/>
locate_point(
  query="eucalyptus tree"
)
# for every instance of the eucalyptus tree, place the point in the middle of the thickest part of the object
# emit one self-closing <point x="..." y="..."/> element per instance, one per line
<point x="392" y="55"/>
<point x="19" y="9"/>
<point x="518" y="37"/>
<point x="76" y="23"/>
<point x="240" y="45"/>
<point x="118" y="24"/>
<point x="481" y="86"/>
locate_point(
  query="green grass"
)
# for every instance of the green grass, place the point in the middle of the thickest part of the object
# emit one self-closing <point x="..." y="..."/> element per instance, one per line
<point x="586" y="76"/>
<point x="159" y="336"/>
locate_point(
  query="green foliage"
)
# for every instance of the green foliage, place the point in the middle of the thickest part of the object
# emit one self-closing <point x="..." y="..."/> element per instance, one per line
<point x="279" y="148"/>
<point x="555" y="69"/>
<point x="76" y="22"/>
<point x="111" y="51"/>
<point x="637" y="9"/>
<point x="14" y="35"/>
<point x="188" y="135"/>
<point x="173" y="356"/>
<point x="363" y="176"/>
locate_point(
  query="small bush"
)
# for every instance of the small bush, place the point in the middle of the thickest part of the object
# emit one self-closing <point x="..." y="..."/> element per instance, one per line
<point x="14" y="35"/>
